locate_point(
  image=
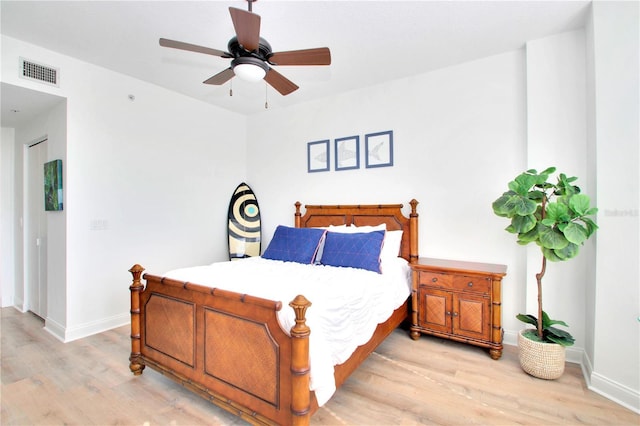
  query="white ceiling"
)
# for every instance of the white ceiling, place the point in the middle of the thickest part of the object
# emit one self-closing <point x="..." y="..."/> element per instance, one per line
<point x="371" y="41"/>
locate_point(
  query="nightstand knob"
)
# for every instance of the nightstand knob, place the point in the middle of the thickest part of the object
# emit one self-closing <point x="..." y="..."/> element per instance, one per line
<point x="434" y="280"/>
<point x="470" y="284"/>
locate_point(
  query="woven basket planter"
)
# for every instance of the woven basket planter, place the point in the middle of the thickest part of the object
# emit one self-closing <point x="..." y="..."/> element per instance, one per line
<point x="541" y="360"/>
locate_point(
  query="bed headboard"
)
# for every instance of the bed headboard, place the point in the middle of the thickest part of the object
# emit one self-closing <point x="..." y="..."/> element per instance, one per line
<point x="361" y="215"/>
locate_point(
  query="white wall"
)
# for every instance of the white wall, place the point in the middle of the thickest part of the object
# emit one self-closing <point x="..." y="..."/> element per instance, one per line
<point x="52" y="126"/>
<point x="615" y="359"/>
<point x="156" y="172"/>
<point x="459" y="137"/>
<point x="7" y="215"/>
<point x="556" y="136"/>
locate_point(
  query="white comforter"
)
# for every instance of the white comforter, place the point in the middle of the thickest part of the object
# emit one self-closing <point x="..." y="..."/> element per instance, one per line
<point x="347" y="303"/>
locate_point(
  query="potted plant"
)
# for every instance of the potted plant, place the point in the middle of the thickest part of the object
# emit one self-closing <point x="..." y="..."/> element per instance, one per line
<point x="555" y="216"/>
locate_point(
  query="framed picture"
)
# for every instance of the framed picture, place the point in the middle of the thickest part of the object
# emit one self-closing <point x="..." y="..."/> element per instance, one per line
<point x="347" y="153"/>
<point x="53" y="185"/>
<point x="379" y="149"/>
<point x="318" y="156"/>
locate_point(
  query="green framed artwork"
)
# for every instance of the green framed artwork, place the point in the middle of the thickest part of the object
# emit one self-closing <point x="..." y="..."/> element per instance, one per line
<point x="53" y="185"/>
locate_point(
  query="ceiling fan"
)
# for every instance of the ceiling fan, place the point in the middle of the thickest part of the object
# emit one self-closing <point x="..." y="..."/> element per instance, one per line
<point x="251" y="55"/>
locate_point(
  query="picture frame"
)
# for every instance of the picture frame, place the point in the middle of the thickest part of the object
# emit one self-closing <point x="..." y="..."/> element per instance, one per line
<point x="318" y="157"/>
<point x="53" y="200"/>
<point x="347" y="153"/>
<point x="379" y="149"/>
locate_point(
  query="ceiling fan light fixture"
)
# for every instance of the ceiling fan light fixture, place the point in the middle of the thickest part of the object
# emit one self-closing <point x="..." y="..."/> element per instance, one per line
<point x="249" y="68"/>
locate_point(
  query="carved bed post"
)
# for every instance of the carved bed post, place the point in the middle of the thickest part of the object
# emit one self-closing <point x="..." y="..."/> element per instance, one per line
<point x="297" y="214"/>
<point x="413" y="241"/>
<point x="301" y="396"/>
<point x="136" y="365"/>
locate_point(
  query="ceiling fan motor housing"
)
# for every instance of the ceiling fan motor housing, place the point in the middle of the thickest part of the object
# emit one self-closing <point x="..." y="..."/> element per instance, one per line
<point x="237" y="50"/>
<point x="250" y="60"/>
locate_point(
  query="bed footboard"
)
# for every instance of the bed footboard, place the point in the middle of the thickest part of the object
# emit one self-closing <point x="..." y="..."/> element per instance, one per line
<point x="225" y="346"/>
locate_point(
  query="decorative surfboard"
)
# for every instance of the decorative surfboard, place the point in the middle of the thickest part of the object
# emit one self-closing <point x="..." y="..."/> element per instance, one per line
<point x="244" y="223"/>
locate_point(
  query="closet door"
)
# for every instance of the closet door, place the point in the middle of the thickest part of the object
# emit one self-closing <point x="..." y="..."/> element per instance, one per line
<point x="36" y="231"/>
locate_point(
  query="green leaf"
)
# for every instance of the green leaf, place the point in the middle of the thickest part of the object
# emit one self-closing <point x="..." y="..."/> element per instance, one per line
<point x="548" y="171"/>
<point x="523" y="224"/>
<point x="536" y="195"/>
<point x="559" y="340"/>
<point x="579" y="203"/>
<point x="519" y="205"/>
<point x="558" y="212"/>
<point x="524" y="182"/>
<point x="552" y="238"/>
<point x="528" y="319"/>
<point x="575" y="233"/>
<point x="546" y="320"/>
<point x="567" y="253"/>
<point x="529" y="236"/>
<point x="558" y="336"/>
<point x="591" y="226"/>
<point x="499" y="205"/>
<point x="551" y="255"/>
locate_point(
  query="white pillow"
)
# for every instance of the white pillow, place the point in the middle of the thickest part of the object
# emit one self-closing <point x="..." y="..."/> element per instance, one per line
<point x="355" y="229"/>
<point x="392" y="239"/>
<point x="391" y="245"/>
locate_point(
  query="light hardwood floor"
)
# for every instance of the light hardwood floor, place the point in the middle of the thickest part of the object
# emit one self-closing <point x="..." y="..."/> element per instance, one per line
<point x="405" y="382"/>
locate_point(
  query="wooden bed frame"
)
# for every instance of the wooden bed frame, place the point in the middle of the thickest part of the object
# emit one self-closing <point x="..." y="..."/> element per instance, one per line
<point x="230" y="348"/>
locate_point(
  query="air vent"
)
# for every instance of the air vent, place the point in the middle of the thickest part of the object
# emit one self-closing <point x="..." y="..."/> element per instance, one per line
<point x="38" y="72"/>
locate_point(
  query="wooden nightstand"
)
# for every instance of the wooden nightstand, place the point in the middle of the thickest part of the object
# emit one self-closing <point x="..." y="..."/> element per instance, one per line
<point x="459" y="301"/>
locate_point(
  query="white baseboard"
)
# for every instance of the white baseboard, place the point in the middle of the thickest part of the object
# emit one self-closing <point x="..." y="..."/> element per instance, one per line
<point x="574" y="354"/>
<point x="510" y="338"/>
<point x="54" y="328"/>
<point x="5" y="302"/>
<point x="19" y="305"/>
<point x="616" y="392"/>
<point x="70" y="334"/>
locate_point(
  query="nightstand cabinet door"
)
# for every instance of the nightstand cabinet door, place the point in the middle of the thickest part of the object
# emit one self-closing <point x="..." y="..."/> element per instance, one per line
<point x="471" y="316"/>
<point x="434" y="312"/>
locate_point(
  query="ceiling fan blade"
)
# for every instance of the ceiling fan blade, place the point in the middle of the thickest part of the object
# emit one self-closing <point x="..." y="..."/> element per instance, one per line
<point x="319" y="56"/>
<point x="164" y="42"/>
<point x="221" y="78"/>
<point x="247" y="26"/>
<point x="280" y="82"/>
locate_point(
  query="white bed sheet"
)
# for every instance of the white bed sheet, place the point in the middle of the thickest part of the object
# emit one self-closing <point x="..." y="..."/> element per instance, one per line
<point x="347" y="303"/>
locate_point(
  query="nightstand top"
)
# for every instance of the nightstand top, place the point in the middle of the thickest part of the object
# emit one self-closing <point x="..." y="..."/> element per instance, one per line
<point x="429" y="263"/>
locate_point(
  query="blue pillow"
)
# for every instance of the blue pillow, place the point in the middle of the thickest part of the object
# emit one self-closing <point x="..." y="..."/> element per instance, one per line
<point x="294" y="244"/>
<point x="358" y="250"/>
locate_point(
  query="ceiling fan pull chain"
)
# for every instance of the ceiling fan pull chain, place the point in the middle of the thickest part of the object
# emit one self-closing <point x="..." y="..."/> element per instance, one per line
<point x="266" y="92"/>
<point x="230" y="87"/>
